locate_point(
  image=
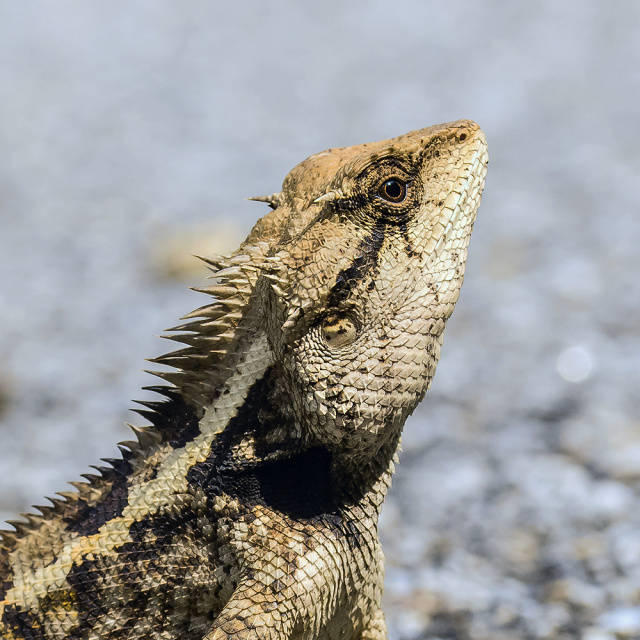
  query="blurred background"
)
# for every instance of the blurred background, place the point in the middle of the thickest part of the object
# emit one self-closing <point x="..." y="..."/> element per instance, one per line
<point x="130" y="134"/>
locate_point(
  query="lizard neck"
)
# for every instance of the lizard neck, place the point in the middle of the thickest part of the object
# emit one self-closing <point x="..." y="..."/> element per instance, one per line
<point x="356" y="480"/>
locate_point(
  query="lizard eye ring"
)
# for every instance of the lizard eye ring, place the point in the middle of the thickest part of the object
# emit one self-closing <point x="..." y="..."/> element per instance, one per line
<point x="393" y="190"/>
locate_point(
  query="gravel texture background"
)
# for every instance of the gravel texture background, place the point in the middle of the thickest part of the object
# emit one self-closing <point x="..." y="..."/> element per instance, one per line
<point x="127" y="126"/>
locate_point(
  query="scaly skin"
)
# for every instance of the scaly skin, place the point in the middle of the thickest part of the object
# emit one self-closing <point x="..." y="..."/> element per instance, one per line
<point x="249" y="509"/>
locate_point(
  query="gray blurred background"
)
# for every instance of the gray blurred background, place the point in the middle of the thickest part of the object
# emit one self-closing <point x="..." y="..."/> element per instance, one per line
<point x="130" y="132"/>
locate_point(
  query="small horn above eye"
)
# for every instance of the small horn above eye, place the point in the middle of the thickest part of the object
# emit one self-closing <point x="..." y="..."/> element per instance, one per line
<point x="329" y="196"/>
<point x="273" y="200"/>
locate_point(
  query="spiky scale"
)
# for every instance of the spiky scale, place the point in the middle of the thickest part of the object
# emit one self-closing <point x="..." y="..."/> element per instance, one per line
<point x="147" y="436"/>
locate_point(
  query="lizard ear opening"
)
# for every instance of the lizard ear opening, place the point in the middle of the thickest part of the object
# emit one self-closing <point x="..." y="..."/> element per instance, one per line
<point x="339" y="331"/>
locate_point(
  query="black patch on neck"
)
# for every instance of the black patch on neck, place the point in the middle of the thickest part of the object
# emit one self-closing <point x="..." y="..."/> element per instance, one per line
<point x="365" y="263"/>
<point x="295" y="482"/>
<point x="299" y="486"/>
<point x="246" y="423"/>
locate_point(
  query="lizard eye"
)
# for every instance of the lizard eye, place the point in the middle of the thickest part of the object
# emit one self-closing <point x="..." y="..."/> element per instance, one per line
<point x="393" y="190"/>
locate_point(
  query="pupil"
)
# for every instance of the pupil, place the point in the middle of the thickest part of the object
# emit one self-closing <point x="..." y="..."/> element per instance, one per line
<point x="393" y="190"/>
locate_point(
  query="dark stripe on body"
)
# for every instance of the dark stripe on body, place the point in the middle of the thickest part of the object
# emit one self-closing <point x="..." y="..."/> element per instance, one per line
<point x="92" y="599"/>
<point x="21" y="623"/>
<point x="148" y="585"/>
<point x="5" y="585"/>
<point x="87" y="519"/>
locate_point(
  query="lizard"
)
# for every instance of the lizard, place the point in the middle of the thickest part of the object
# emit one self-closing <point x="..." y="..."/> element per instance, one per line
<point x="248" y="507"/>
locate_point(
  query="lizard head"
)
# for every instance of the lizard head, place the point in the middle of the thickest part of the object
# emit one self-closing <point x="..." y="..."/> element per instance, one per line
<point x="371" y="242"/>
<point x="340" y="295"/>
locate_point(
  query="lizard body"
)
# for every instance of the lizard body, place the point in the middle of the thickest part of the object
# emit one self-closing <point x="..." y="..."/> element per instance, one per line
<point x="249" y="508"/>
